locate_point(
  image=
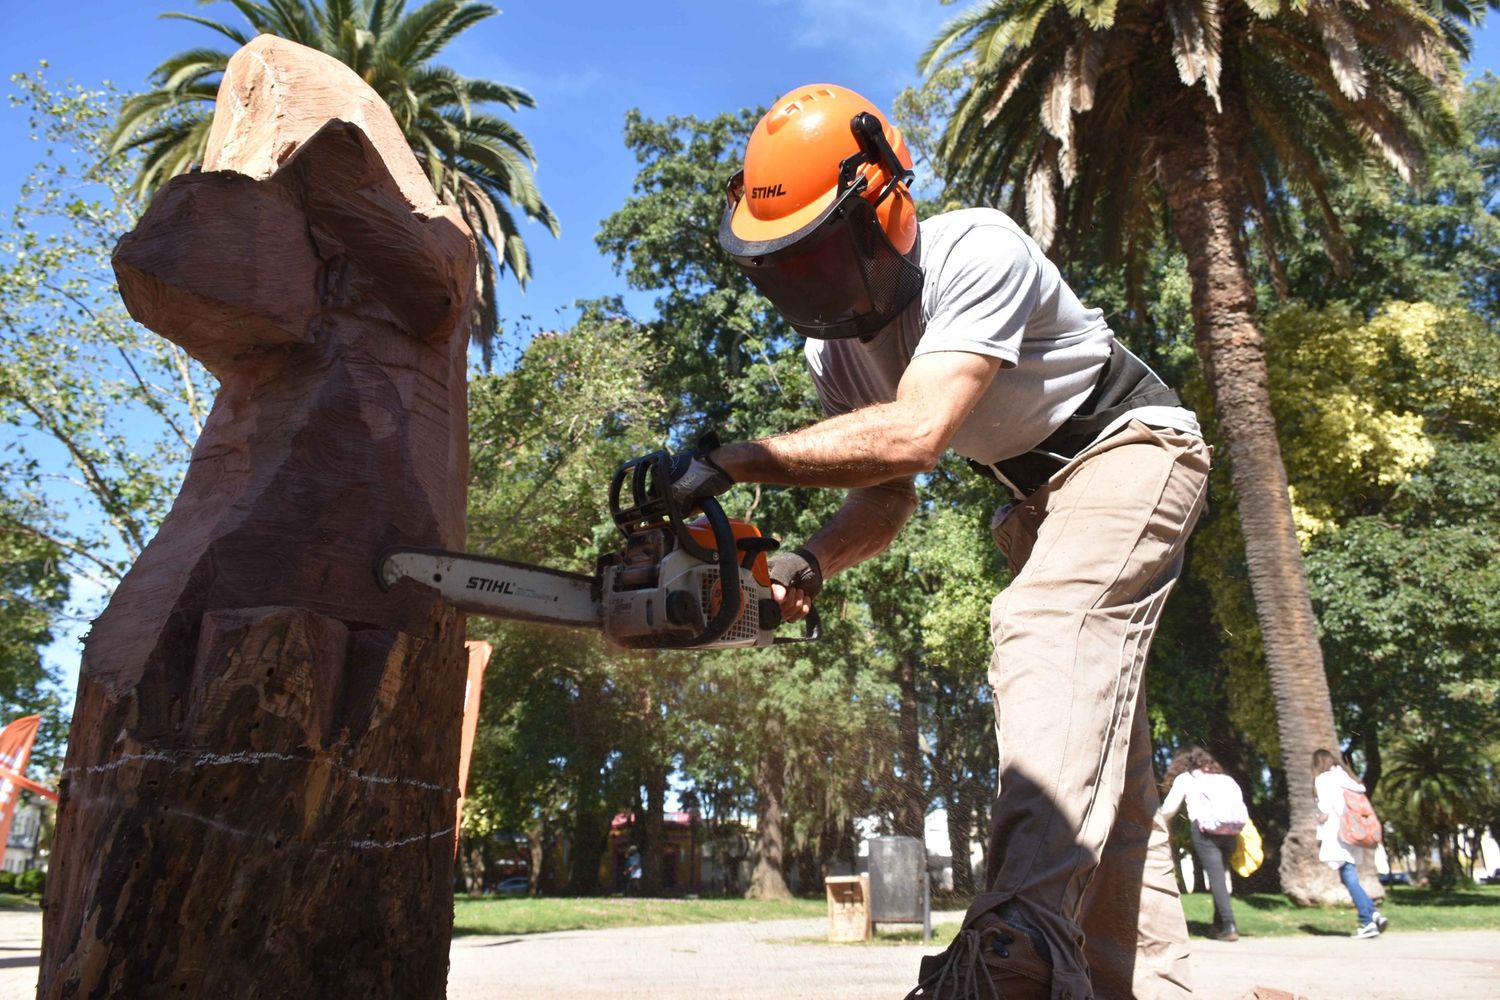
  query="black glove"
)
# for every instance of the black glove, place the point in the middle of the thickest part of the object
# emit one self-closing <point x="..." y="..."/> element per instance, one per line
<point x="695" y="475"/>
<point x="797" y="570"/>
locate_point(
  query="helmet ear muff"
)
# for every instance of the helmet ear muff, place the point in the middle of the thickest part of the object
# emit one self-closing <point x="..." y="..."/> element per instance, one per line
<point x="898" y="217"/>
<point x="887" y="169"/>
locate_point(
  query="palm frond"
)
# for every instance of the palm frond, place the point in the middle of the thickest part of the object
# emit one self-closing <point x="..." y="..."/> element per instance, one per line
<point x="483" y="91"/>
<point x="189" y="67"/>
<point x="295" y="21"/>
<point x="334" y="16"/>
<point x="498" y="130"/>
<point x="384" y="15"/>
<point x="1343" y="50"/>
<point x="1088" y="59"/>
<point x="463" y="19"/>
<point x="1057" y="102"/>
<point x="405" y="39"/>
<point x="233" y="34"/>
<point x="259" y="16"/>
<point x="440" y="87"/>
<point x="1087" y="94"/>
<point x="1004" y="88"/>
<point x="1041" y="195"/>
<point x="1196" y="43"/>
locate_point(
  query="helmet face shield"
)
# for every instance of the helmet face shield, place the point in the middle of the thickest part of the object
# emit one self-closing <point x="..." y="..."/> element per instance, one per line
<point x="838" y="276"/>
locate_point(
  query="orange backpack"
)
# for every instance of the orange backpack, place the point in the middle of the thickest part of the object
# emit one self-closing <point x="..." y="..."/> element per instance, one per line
<point x="1359" y="827"/>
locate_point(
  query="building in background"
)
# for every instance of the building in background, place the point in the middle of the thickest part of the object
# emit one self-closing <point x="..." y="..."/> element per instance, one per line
<point x="23" y="851"/>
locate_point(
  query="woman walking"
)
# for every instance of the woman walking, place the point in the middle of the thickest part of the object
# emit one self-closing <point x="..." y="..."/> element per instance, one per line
<point x="1331" y="780"/>
<point x="1216" y="814"/>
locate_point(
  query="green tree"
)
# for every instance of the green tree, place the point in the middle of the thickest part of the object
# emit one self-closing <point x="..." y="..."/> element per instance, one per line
<point x="33" y="595"/>
<point x="1219" y="110"/>
<point x="665" y="239"/>
<point x="476" y="161"/>
<point x="100" y="414"/>
<point x="1433" y="242"/>
<point x="103" y="412"/>
<point x="1438" y="781"/>
<point x="560" y="724"/>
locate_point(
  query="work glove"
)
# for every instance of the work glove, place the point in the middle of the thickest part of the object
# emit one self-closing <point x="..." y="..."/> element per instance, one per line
<point x="695" y="475"/>
<point x="797" y="570"/>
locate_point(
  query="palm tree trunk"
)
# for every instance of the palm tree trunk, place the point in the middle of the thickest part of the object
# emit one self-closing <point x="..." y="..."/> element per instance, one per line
<point x="767" y="880"/>
<point x="1199" y="172"/>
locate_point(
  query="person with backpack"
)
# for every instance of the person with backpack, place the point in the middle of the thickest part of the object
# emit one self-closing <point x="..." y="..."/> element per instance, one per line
<point x="1216" y="815"/>
<point x="1346" y="826"/>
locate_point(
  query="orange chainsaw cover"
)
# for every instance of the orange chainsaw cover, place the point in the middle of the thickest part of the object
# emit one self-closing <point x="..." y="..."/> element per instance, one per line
<point x="703" y="534"/>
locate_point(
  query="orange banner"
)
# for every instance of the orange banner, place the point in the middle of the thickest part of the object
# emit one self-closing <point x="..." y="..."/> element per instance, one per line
<point x="15" y="752"/>
<point x="479" y="658"/>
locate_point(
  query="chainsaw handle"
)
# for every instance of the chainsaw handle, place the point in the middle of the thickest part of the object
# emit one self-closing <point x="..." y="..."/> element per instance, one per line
<point x="651" y="504"/>
<point x="812" y="630"/>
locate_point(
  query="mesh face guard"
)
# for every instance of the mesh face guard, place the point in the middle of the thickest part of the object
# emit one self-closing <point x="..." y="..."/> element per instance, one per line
<point x="839" y="275"/>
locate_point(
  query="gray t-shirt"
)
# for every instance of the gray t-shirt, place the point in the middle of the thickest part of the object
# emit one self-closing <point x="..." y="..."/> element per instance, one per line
<point x="987" y="289"/>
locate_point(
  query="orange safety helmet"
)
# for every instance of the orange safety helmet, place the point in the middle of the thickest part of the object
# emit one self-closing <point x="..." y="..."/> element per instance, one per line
<point x="821" y="218"/>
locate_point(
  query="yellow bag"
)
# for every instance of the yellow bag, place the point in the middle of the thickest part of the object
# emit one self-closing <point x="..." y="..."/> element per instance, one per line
<point x="1248" y="852"/>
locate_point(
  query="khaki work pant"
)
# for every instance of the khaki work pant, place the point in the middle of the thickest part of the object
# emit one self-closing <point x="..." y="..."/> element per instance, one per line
<point x="1076" y="847"/>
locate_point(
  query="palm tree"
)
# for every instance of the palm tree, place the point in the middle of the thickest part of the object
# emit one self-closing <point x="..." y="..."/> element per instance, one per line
<point x="1107" y="120"/>
<point x="476" y="161"/>
<point x="1438" y="781"/>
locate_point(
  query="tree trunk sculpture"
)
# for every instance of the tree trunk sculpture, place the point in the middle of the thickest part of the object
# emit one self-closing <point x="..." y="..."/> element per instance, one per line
<point x="260" y="788"/>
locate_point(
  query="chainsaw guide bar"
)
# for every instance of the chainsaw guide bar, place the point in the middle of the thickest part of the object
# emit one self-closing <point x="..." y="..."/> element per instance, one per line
<point x="483" y="585"/>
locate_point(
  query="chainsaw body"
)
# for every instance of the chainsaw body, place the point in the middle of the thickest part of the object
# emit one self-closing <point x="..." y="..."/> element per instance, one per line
<point x="674" y="583"/>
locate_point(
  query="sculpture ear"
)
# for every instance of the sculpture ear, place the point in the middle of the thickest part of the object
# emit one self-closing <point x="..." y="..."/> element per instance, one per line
<point x="407" y="261"/>
<point x="180" y="270"/>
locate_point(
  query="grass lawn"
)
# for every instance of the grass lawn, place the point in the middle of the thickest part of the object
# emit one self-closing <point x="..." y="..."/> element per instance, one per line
<point x="1408" y="908"/>
<point x="12" y="901"/>
<point x="533" y="916"/>
<point x="1268" y="915"/>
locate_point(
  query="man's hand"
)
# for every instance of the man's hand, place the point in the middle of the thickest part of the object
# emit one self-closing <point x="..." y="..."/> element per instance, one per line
<point x="796" y="579"/>
<point x="694" y="476"/>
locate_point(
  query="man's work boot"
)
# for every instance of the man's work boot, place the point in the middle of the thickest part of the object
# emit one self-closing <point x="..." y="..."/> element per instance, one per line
<point x="988" y="960"/>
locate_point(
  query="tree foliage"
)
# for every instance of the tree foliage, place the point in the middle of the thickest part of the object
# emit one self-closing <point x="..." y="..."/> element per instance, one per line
<point x="1057" y="95"/>
<point x="100" y="413"/>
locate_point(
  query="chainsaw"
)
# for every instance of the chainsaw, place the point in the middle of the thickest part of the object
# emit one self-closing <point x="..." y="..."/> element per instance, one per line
<point x="675" y="583"/>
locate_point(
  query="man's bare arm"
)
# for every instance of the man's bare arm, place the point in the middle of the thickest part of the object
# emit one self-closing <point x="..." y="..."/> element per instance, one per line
<point x="869" y="520"/>
<point x="876" y="444"/>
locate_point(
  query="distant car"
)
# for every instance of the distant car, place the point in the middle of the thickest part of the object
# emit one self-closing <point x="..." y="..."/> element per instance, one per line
<point x="516" y="885"/>
<point x="1395" y="878"/>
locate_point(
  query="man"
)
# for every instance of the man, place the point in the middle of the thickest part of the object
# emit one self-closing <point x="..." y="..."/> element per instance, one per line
<point x="960" y="333"/>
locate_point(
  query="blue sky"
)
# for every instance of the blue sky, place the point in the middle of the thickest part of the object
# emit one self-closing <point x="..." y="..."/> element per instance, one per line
<point x="586" y="62"/>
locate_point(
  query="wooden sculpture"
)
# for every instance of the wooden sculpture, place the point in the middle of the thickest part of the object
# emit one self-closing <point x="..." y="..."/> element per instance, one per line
<point x="260" y="787"/>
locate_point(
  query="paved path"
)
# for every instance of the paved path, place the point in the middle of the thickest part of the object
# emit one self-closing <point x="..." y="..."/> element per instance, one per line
<point x="780" y="959"/>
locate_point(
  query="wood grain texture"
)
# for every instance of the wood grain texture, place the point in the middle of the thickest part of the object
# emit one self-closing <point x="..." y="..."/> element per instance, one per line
<point x="261" y="781"/>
